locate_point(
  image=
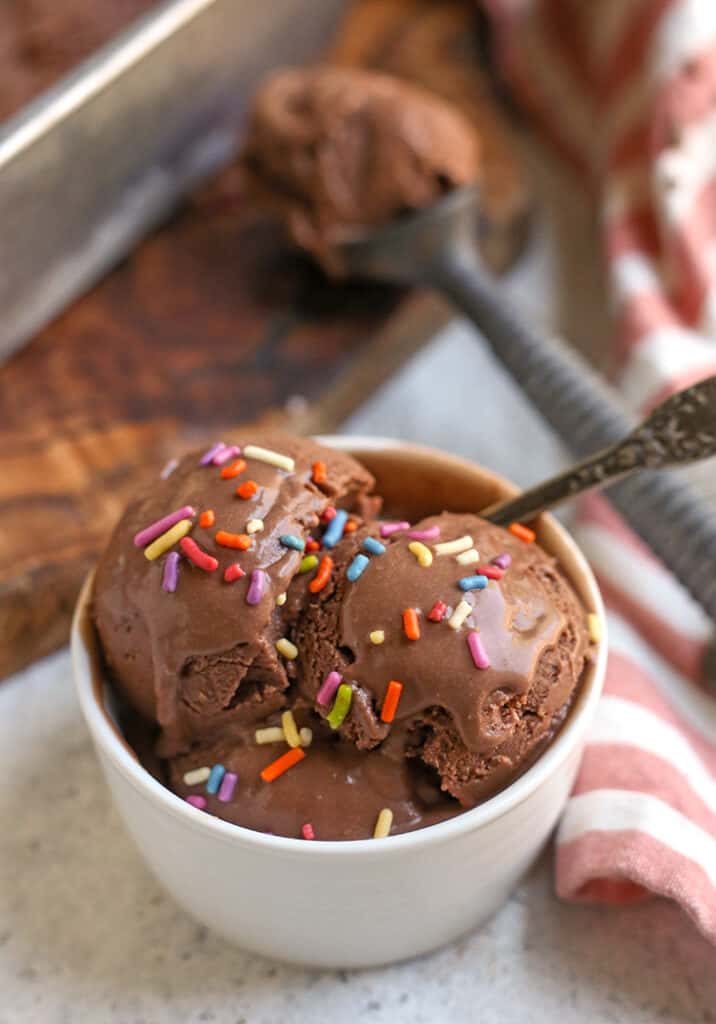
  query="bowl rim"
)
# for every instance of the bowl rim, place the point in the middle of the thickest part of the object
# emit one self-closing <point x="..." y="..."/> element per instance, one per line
<point x="107" y="738"/>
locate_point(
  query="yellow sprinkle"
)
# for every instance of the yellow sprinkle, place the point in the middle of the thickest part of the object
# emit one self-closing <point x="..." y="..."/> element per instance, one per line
<point x="290" y="729"/>
<point x="254" y="526"/>
<point x="424" y="555"/>
<point x="254" y="451"/>
<point x="383" y="824"/>
<point x="273" y="734"/>
<point x="469" y="557"/>
<point x="168" y="539"/>
<point x="594" y="625"/>
<point x="377" y="636"/>
<point x="197" y="776"/>
<point x="287" y="649"/>
<point x="306" y="735"/>
<point x="459" y="615"/>
<point x="281" y="600"/>
<point x="454" y="547"/>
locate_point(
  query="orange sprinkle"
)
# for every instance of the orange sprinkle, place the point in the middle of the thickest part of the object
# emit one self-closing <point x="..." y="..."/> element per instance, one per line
<point x="390" y="701"/>
<point x="242" y="541"/>
<point x="312" y="545"/>
<point x="351" y="526"/>
<point x="523" y="532"/>
<point x="282" y="764"/>
<point x="233" y="469"/>
<point x="322" y="575"/>
<point x="411" y="624"/>
<point x="319" y="473"/>
<point x="207" y="518"/>
<point x="248" y="489"/>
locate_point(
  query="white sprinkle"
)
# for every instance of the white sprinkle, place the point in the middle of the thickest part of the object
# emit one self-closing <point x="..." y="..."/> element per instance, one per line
<point x="453" y="547"/>
<point x="281" y="600"/>
<point x="169" y="468"/>
<point x="287" y="649"/>
<point x="254" y="451"/>
<point x="196" y="776"/>
<point x="469" y="557"/>
<point x="459" y="615"/>
<point x="273" y="734"/>
<point x="306" y="735"/>
<point x="254" y="526"/>
<point x="377" y="636"/>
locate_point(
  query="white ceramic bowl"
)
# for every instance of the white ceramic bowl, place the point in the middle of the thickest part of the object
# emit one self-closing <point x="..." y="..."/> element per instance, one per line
<point x="367" y="902"/>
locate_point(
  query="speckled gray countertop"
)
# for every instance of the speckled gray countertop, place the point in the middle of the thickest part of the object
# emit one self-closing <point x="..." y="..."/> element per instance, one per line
<point x="87" y="935"/>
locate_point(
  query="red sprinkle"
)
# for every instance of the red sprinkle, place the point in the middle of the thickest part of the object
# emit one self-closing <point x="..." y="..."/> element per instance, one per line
<point x="247" y="490"/>
<point x="493" y="572"/>
<point x="437" y="612"/>
<point x="198" y="557"/>
<point x="319" y="473"/>
<point x="313" y="545"/>
<point x="328" y="513"/>
<point x="207" y="518"/>
<point x="233" y="572"/>
<point x="307" y="831"/>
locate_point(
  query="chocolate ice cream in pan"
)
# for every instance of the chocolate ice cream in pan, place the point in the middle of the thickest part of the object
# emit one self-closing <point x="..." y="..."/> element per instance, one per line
<point x="315" y="671"/>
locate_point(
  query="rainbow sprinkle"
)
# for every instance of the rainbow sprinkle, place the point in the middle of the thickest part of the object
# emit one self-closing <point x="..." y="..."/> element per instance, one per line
<point x="290" y="729"/>
<point x="306" y="736"/>
<point x="201" y="559"/>
<point x="437" y="612"/>
<point x="286" y="649"/>
<point x="209" y="455"/>
<point x="170" y="576"/>
<point x="281" y="600"/>
<point x="423" y="554"/>
<point x="373" y="546"/>
<point x="330" y="684"/>
<point x="459" y="615"/>
<point x="227" y="787"/>
<point x="154" y="530"/>
<point x="377" y="637"/>
<point x="271" y="734"/>
<point x="477" y="650"/>
<point x="225" y="454"/>
<point x="357" y="568"/>
<point x="215" y="778"/>
<point x="257" y="586"/>
<point x="254" y="451"/>
<point x="341" y="707"/>
<point x="594" y="625"/>
<point x="282" y="764"/>
<point x="168" y="539"/>
<point x="383" y="824"/>
<point x="196" y="776"/>
<point x="308" y="562"/>
<point x="503" y="561"/>
<point x="432" y="533"/>
<point x="289" y="540"/>
<point x="472" y="583"/>
<point x="468" y="557"/>
<point x="411" y="624"/>
<point x="307" y="831"/>
<point x="454" y="547"/>
<point x="233" y="572"/>
<point x="255" y="526"/>
<point x="388" y="529"/>
<point x="335" y="528"/>
<point x="196" y="801"/>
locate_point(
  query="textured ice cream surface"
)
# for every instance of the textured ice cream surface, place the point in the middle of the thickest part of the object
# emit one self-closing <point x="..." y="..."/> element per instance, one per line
<point x="202" y="659"/>
<point x="478" y="727"/>
<point x="336" y="150"/>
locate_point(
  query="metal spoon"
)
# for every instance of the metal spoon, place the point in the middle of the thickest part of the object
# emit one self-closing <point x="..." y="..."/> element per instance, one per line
<point x="437" y="248"/>
<point x="680" y="430"/>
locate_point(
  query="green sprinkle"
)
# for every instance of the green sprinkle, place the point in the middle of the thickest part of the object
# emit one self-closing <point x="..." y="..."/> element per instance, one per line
<point x="308" y="563"/>
<point x="341" y="706"/>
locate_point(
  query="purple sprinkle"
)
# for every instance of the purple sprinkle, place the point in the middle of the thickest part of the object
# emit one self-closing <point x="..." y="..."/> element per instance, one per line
<point x="477" y="650"/>
<point x="330" y="684"/>
<point x="171" y="572"/>
<point x="503" y="561"/>
<point x="388" y="529"/>
<point x="430" y="534"/>
<point x="225" y="454"/>
<point x="227" y="787"/>
<point x="209" y="455"/>
<point x="256" y="587"/>
<point x="169" y="468"/>
<point x="197" y="801"/>
<point x="150" y="533"/>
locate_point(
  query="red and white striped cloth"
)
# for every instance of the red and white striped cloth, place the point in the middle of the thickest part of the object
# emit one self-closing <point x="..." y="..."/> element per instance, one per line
<point x="625" y="91"/>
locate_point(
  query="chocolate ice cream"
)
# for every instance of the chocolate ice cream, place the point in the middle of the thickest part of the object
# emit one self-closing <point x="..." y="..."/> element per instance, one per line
<point x="328" y="666"/>
<point x="336" y="150"/>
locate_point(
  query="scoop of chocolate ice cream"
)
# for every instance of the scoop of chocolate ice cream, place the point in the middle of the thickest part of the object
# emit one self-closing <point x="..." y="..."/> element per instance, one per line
<point x="336" y="150"/>
<point x="201" y="659"/>
<point x="478" y="702"/>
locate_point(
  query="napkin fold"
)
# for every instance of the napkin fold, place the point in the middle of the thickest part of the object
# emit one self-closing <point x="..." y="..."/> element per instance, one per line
<point x="625" y="92"/>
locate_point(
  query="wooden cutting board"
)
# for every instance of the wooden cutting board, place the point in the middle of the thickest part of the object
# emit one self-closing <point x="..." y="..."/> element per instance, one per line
<point x="211" y="322"/>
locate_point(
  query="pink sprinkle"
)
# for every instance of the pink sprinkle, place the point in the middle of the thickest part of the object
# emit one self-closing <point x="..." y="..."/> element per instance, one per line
<point x="233" y="572"/>
<point x="503" y="561"/>
<point x="227" y="787"/>
<point x="197" y="801"/>
<point x="307" y="831"/>
<point x="209" y="455"/>
<point x="170" y="577"/>
<point x="477" y="650"/>
<point x="154" y="530"/>
<point x="388" y="529"/>
<point x="256" y="587"/>
<point x="225" y="454"/>
<point x="330" y="684"/>
<point x="432" y="533"/>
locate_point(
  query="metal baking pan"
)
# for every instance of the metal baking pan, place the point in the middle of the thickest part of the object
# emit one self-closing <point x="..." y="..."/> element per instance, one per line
<point x="93" y="164"/>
